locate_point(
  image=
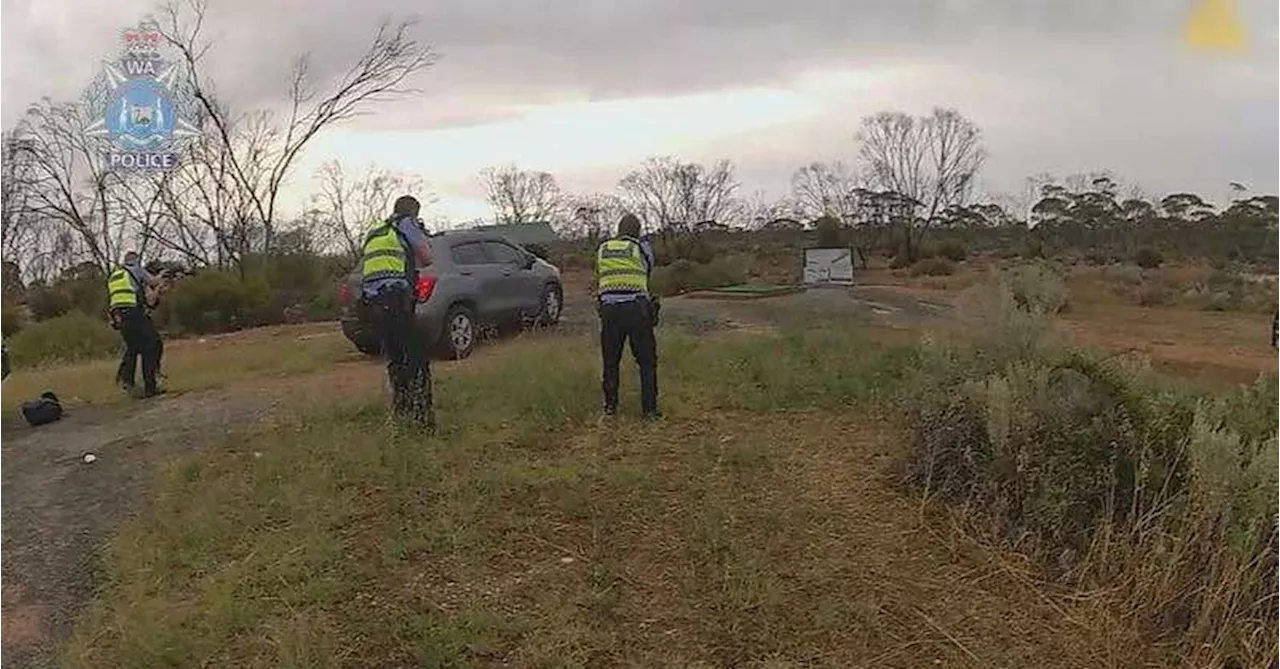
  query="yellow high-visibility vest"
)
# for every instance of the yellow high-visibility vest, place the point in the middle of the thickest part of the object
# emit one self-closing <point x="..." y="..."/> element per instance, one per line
<point x="620" y="267"/>
<point x="121" y="290"/>
<point x="384" y="255"/>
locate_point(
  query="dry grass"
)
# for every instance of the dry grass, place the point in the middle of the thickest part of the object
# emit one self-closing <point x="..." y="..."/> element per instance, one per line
<point x="1211" y="349"/>
<point x="532" y="536"/>
<point x="192" y="364"/>
<point x="754" y="527"/>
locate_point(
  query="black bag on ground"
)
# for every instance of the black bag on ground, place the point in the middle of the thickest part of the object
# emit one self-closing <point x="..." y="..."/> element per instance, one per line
<point x="44" y="410"/>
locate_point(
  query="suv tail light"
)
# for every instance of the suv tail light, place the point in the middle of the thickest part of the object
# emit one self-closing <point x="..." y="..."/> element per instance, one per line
<point x="344" y="294"/>
<point x="425" y="286"/>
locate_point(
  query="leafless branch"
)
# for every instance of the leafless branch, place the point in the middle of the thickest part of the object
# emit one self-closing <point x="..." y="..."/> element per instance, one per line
<point x="521" y="196"/>
<point x="672" y="195"/>
<point x="345" y="206"/>
<point x="932" y="160"/>
<point x="825" y="189"/>
<point x="380" y="74"/>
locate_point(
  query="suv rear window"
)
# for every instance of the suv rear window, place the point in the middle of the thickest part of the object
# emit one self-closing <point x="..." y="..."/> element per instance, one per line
<point x="468" y="253"/>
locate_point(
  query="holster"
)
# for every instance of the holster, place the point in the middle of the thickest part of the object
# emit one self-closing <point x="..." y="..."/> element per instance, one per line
<point x="392" y="298"/>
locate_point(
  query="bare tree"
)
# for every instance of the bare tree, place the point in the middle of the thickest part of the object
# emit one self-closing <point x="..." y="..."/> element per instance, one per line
<point x="825" y="189"/>
<point x="675" y="196"/>
<point x="19" y="227"/>
<point x="521" y="196"/>
<point x="592" y="216"/>
<point x="932" y="160"/>
<point x="759" y="210"/>
<point x="208" y="218"/>
<point x="139" y="201"/>
<point x="348" y="205"/>
<point x="380" y="74"/>
<point x="66" y="182"/>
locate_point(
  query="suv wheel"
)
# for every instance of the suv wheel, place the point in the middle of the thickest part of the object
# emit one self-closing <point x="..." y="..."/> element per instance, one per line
<point x="459" y="335"/>
<point x="552" y="305"/>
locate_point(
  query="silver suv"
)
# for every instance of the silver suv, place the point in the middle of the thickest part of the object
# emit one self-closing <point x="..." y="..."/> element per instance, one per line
<point x="478" y="280"/>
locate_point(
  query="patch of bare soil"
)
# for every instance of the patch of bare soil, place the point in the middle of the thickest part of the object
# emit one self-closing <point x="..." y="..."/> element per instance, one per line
<point x="59" y="509"/>
<point x="880" y="307"/>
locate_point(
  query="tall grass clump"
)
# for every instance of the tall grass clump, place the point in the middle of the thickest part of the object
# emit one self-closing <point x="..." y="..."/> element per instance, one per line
<point x="67" y="338"/>
<point x="1165" y="500"/>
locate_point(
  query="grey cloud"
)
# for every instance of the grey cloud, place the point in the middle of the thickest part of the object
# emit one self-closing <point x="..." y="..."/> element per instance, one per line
<point x="1086" y="82"/>
<point x="619" y="48"/>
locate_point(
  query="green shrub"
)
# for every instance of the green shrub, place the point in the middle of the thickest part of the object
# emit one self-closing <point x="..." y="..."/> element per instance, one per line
<point x="831" y="232"/>
<point x="668" y="249"/>
<point x="1089" y="465"/>
<point x="1036" y="287"/>
<point x="47" y="302"/>
<point x="219" y="301"/>
<point x="1054" y="449"/>
<point x="87" y="291"/>
<point x="1126" y="274"/>
<point x="1033" y="249"/>
<point x="1225" y="280"/>
<point x="933" y="267"/>
<point x="1155" y="295"/>
<point x="324" y="306"/>
<point x="684" y="275"/>
<point x="1148" y="258"/>
<point x="12" y="318"/>
<point x="953" y="250"/>
<point x="1221" y="301"/>
<point x="293" y="281"/>
<point x="72" y="336"/>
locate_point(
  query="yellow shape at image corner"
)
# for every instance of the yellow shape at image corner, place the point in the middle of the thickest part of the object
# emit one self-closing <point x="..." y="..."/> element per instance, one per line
<point x="1214" y="25"/>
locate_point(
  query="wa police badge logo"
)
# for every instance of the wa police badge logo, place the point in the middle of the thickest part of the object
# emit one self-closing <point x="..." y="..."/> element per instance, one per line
<point x="143" y="106"/>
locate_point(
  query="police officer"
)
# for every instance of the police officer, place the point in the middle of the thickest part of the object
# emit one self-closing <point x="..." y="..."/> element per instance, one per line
<point x="393" y="252"/>
<point x="127" y="291"/>
<point x="627" y="314"/>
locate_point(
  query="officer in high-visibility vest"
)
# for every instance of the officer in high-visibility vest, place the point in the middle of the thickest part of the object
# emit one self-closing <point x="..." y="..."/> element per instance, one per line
<point x="393" y="252"/>
<point x="128" y="302"/>
<point x="627" y="314"/>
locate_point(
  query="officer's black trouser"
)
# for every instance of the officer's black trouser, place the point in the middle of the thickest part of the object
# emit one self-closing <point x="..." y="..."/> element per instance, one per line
<point x="629" y="322"/>
<point x="408" y="368"/>
<point x="141" y="340"/>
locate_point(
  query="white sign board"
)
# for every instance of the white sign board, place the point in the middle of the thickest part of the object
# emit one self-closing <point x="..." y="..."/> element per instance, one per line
<point x="828" y="266"/>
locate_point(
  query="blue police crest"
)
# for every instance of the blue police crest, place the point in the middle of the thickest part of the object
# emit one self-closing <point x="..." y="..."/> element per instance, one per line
<point x="142" y="106"/>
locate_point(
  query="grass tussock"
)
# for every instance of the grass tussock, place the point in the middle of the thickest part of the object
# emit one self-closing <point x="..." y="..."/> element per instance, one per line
<point x="1164" y="500"/>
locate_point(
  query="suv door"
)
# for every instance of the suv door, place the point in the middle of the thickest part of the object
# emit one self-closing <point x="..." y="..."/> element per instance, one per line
<point x="520" y="289"/>
<point x="471" y="260"/>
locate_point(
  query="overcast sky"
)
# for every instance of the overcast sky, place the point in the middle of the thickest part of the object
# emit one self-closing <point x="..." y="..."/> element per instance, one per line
<point x="587" y="88"/>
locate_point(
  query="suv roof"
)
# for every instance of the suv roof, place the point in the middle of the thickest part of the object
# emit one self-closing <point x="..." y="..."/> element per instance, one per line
<point x="461" y="236"/>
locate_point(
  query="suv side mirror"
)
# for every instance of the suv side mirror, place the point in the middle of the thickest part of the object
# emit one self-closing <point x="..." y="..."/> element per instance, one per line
<point x="528" y="260"/>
